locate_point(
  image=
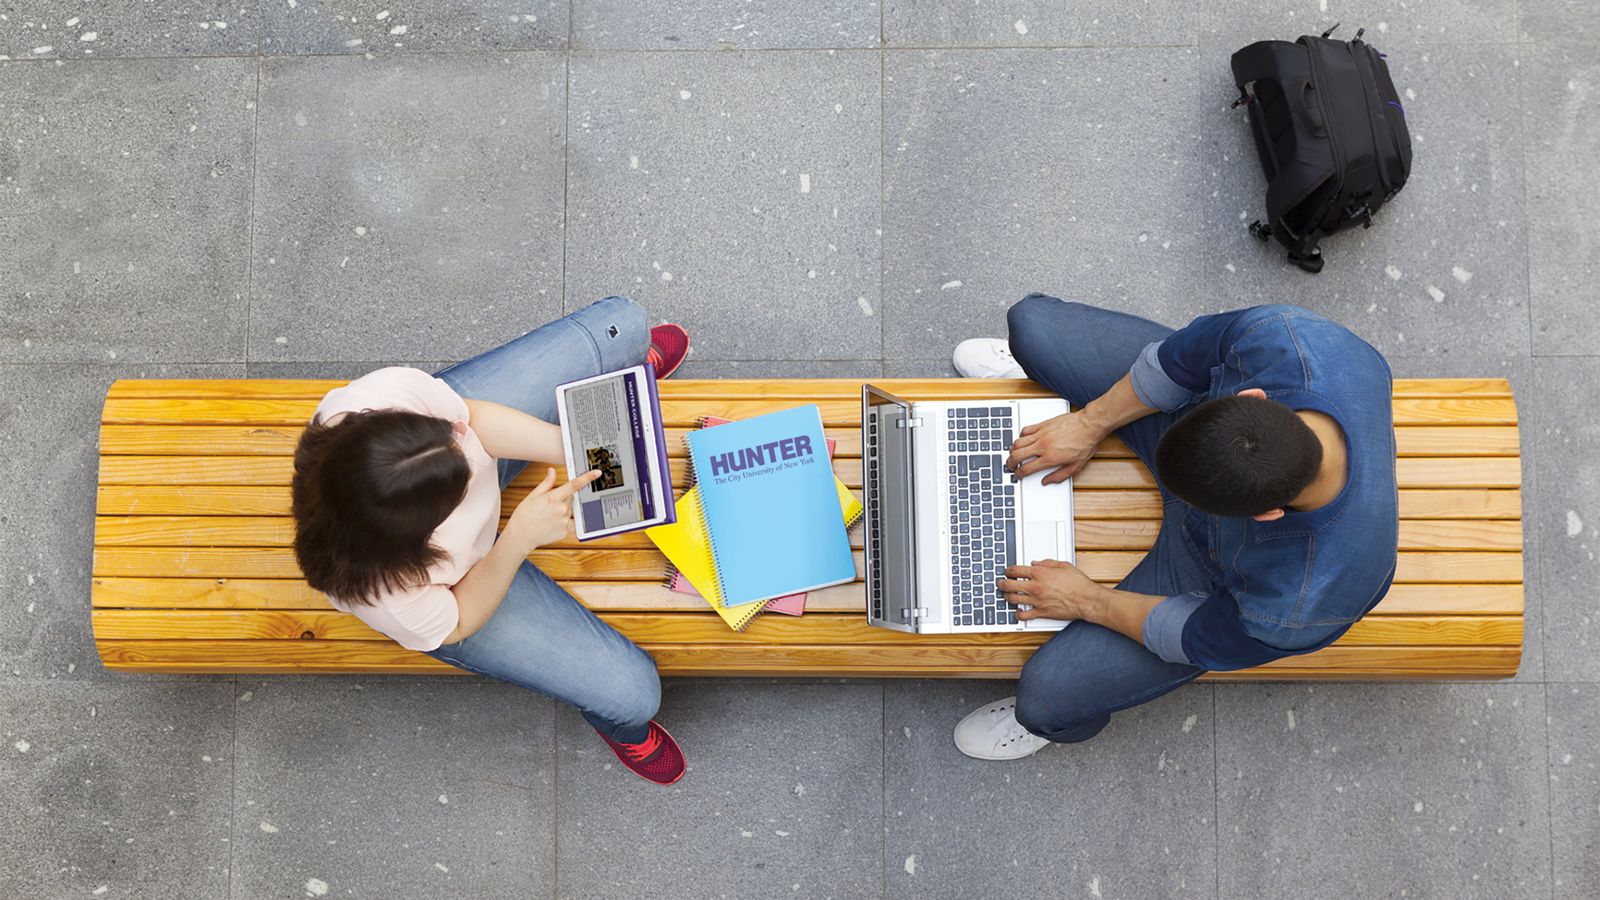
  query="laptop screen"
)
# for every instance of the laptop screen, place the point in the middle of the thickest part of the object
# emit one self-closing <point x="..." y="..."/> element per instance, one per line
<point x="886" y="457"/>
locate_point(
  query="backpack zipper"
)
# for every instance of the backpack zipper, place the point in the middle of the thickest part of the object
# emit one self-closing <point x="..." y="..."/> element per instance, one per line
<point x="1327" y="113"/>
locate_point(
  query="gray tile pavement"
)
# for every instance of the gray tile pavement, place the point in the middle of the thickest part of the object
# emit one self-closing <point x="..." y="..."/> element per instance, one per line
<point x="115" y="790"/>
<point x="390" y="789"/>
<point x="1038" y="23"/>
<point x="1562" y="138"/>
<point x="125" y="231"/>
<point x="1391" y="790"/>
<point x="812" y="199"/>
<point x="303" y="27"/>
<point x="783" y="797"/>
<point x="1233" y="25"/>
<point x="1565" y="515"/>
<point x="1064" y="822"/>
<point x="723" y="24"/>
<point x="1574" y="711"/>
<point x="688" y="191"/>
<point x="406" y="207"/>
<point x="1015" y="171"/>
<point x="51" y="29"/>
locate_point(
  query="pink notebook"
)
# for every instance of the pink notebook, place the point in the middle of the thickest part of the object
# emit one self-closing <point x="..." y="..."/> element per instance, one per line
<point x="791" y="605"/>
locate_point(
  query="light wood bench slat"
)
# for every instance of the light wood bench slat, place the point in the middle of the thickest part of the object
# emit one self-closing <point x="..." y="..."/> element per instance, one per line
<point x="648" y="565"/>
<point x="349" y="657"/>
<point x="1121" y="474"/>
<point x="910" y="388"/>
<point x="259" y="500"/>
<point x="280" y="440"/>
<point x="1090" y="534"/>
<point x="1434" y="599"/>
<point x="686" y="413"/>
<point x="705" y="628"/>
<point x="193" y="570"/>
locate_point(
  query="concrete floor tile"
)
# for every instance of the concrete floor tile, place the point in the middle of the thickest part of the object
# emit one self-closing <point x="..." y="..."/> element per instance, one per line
<point x="1232" y="25"/>
<point x="1127" y="814"/>
<point x="47" y="503"/>
<point x="1571" y="22"/>
<point x="723" y="24"/>
<point x="1019" y="171"/>
<point x="126" y="214"/>
<point x="1574" y="711"/>
<point x="735" y="193"/>
<point x="61" y="29"/>
<point x="346" y="26"/>
<point x="408" y="208"/>
<point x="1444" y="268"/>
<point x="1565" y="514"/>
<point x="1561" y="131"/>
<point x="783" y="797"/>
<point x="390" y="789"/>
<point x="1037" y="23"/>
<point x="1415" y="790"/>
<point x="115" y="790"/>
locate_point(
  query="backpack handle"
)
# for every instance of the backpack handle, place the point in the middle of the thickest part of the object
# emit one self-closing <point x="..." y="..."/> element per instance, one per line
<point x="1310" y="114"/>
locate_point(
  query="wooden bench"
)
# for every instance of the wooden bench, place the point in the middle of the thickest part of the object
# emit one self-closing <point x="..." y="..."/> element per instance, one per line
<point x="193" y="570"/>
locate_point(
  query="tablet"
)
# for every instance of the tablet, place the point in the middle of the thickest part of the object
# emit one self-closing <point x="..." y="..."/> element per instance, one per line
<point x="612" y="423"/>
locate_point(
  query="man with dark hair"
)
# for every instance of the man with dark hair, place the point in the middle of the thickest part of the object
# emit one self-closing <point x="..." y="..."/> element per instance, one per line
<point x="1270" y="432"/>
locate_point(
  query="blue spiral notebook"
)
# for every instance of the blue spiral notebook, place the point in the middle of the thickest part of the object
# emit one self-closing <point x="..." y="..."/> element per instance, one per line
<point x="770" y="506"/>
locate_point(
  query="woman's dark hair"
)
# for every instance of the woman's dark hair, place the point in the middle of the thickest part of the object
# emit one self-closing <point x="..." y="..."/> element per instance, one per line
<point x="368" y="492"/>
<point x="1238" y="456"/>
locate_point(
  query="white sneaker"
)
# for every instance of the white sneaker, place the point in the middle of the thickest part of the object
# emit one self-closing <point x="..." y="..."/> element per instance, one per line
<point x="992" y="732"/>
<point x="986" y="358"/>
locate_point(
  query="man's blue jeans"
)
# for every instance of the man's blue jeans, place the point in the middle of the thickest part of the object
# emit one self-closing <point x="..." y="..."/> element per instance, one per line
<point x="541" y="637"/>
<point x="1073" y="684"/>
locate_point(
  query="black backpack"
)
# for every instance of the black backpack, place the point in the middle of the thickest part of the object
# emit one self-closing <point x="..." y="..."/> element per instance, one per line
<point x="1331" y="135"/>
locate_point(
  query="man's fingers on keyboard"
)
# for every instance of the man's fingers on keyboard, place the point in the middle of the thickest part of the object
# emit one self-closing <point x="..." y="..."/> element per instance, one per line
<point x="1019" y="571"/>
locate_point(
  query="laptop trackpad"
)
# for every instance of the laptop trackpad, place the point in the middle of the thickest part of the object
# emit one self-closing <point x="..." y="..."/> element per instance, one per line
<point x="1043" y="540"/>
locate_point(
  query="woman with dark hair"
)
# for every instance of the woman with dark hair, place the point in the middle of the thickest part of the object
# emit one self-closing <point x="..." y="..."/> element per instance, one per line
<point x="396" y="493"/>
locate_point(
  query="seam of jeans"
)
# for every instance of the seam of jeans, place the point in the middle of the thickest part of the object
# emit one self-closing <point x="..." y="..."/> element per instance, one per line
<point x="599" y="357"/>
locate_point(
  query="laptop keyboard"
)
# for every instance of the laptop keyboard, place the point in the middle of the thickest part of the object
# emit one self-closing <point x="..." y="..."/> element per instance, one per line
<point x="874" y="522"/>
<point x="983" y="514"/>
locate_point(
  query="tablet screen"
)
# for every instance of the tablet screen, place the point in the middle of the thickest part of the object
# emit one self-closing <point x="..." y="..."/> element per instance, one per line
<point x="606" y="429"/>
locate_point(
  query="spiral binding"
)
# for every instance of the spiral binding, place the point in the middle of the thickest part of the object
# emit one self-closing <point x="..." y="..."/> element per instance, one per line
<point x="700" y="501"/>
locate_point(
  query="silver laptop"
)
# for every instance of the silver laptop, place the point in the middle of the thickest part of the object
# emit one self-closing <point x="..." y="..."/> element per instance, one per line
<point x="944" y="518"/>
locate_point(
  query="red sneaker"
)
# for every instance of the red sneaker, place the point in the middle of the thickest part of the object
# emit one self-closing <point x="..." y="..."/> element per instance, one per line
<point x="669" y="344"/>
<point x="657" y="758"/>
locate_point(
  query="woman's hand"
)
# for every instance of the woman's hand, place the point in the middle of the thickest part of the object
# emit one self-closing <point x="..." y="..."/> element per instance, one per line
<point x="545" y="515"/>
<point x="1055" y="590"/>
<point x="1063" y="443"/>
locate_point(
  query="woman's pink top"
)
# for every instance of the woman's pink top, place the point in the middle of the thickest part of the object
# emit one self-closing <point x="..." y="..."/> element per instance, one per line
<point x="421" y="617"/>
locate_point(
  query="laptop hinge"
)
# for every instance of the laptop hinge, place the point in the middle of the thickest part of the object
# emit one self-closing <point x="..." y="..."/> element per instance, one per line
<point x="920" y="612"/>
<point x="909" y="422"/>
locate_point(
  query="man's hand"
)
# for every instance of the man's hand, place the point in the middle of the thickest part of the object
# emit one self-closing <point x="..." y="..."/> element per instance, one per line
<point x="1055" y="590"/>
<point x="545" y="515"/>
<point x="1063" y="443"/>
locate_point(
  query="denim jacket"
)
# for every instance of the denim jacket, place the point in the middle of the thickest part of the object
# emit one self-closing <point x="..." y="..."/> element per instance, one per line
<point x="1296" y="584"/>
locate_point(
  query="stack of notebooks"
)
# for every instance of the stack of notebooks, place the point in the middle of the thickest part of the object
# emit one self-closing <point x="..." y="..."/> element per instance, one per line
<point x="766" y="520"/>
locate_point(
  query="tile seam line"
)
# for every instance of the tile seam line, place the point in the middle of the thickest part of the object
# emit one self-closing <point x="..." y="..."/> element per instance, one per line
<point x="1549" y="795"/>
<point x="913" y="48"/>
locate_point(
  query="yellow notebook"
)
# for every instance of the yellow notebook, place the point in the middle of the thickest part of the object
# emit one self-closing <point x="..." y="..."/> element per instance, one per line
<point x="687" y="545"/>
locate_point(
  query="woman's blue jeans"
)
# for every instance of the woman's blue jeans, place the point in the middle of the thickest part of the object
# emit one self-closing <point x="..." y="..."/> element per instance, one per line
<point x="541" y="637"/>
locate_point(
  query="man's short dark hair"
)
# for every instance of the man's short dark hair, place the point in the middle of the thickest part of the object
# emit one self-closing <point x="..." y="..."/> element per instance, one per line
<point x="1238" y="456"/>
